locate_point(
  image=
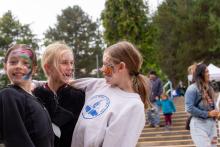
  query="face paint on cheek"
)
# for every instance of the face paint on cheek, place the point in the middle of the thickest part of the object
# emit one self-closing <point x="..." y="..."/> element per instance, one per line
<point x="25" y="54"/>
<point x="107" y="70"/>
<point x="28" y="75"/>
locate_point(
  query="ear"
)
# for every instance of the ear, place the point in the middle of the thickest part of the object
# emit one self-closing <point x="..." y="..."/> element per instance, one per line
<point x="47" y="68"/>
<point x="122" y="66"/>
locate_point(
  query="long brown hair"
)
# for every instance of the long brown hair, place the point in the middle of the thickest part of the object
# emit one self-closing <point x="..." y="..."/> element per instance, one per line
<point x="126" y="52"/>
<point x="199" y="76"/>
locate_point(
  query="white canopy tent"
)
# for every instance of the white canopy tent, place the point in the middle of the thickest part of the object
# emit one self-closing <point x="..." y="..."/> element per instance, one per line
<point x="214" y="72"/>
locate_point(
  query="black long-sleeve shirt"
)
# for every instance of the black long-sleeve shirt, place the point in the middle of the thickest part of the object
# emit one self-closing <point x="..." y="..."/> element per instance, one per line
<point x="24" y="121"/>
<point x="64" y="108"/>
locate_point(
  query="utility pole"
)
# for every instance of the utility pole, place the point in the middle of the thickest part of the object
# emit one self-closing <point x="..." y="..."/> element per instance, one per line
<point x="97" y="66"/>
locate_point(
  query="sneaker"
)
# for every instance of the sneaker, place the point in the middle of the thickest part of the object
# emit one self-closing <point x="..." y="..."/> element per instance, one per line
<point x="156" y="126"/>
<point x="167" y="127"/>
<point x="150" y="125"/>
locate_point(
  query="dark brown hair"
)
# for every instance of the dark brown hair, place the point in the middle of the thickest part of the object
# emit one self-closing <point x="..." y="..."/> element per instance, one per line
<point x="22" y="46"/>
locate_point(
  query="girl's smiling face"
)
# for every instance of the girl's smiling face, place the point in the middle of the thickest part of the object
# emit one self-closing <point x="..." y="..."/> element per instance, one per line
<point x="62" y="71"/>
<point x="19" y="66"/>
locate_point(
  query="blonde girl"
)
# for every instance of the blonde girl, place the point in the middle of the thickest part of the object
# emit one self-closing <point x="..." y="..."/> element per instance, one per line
<point x="63" y="102"/>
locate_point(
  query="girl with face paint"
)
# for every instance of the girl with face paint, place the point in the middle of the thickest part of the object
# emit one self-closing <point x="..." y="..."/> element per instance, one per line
<point x="24" y="121"/>
<point x="114" y="113"/>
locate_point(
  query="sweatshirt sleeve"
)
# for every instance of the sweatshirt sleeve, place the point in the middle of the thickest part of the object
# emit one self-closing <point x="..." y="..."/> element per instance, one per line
<point x="88" y="84"/>
<point x="13" y="112"/>
<point x="125" y="130"/>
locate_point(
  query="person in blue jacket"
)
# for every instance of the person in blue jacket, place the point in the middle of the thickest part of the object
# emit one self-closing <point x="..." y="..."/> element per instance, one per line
<point x="168" y="108"/>
<point x="200" y="104"/>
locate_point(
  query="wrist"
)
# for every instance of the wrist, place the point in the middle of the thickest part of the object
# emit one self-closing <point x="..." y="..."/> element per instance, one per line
<point x="209" y="114"/>
<point x="218" y="117"/>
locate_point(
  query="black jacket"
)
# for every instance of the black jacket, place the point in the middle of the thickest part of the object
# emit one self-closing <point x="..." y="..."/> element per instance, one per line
<point x="24" y="121"/>
<point x="64" y="108"/>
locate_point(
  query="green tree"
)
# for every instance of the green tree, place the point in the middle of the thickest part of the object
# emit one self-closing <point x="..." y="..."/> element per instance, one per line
<point x="187" y="32"/>
<point x="128" y="20"/>
<point x="76" y="28"/>
<point x="12" y="31"/>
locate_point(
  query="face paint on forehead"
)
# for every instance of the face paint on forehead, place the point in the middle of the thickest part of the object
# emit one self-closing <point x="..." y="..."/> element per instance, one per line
<point x="23" y="53"/>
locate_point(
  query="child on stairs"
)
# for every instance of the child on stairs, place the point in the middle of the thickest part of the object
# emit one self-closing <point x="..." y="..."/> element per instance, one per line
<point x="168" y="108"/>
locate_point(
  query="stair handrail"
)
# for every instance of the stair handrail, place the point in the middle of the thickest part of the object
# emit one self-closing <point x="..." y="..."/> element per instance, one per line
<point x="170" y="88"/>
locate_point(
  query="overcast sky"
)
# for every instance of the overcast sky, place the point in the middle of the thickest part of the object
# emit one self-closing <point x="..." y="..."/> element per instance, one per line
<point x="42" y="13"/>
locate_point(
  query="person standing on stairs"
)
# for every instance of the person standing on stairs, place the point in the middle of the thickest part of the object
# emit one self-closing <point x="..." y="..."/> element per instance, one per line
<point x="157" y="89"/>
<point x="168" y="108"/>
<point x="199" y="102"/>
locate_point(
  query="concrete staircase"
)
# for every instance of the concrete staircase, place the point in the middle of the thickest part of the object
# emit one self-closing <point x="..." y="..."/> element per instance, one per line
<point x="177" y="136"/>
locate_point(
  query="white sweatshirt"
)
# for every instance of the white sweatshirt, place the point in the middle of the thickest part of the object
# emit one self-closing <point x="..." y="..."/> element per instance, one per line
<point x="110" y="117"/>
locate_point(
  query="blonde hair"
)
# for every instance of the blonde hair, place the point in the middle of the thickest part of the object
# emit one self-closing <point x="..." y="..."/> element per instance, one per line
<point x="53" y="53"/>
<point x="126" y="52"/>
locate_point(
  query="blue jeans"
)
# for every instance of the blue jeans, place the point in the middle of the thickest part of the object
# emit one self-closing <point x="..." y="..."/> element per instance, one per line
<point x="203" y="132"/>
<point x="154" y="116"/>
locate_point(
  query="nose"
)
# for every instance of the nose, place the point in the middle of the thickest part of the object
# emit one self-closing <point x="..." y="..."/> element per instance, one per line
<point x="70" y="66"/>
<point x="101" y="69"/>
<point x="20" y="65"/>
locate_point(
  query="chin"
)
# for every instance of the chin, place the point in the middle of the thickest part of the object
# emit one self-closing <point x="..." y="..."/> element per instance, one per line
<point x="108" y="81"/>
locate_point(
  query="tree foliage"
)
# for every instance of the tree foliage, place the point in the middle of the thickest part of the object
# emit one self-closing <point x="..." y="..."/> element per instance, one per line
<point x="128" y="20"/>
<point x="187" y="32"/>
<point x="12" y="31"/>
<point x="76" y="28"/>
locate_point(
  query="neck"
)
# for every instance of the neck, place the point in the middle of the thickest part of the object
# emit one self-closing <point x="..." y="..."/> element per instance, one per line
<point x="126" y="85"/>
<point x="26" y="86"/>
<point x="54" y="85"/>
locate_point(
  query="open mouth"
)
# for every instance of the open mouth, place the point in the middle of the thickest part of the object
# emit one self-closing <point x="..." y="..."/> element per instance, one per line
<point x="68" y="75"/>
<point x="18" y="74"/>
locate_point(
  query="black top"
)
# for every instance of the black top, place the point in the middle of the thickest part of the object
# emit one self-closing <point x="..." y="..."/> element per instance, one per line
<point x="24" y="121"/>
<point x="64" y="108"/>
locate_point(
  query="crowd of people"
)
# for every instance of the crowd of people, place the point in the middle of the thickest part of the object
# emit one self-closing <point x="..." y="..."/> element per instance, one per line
<point x="94" y="112"/>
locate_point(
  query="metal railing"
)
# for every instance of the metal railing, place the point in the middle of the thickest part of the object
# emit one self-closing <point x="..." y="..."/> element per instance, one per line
<point x="168" y="88"/>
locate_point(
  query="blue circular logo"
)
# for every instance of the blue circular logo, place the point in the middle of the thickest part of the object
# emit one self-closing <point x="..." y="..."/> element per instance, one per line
<point x="95" y="106"/>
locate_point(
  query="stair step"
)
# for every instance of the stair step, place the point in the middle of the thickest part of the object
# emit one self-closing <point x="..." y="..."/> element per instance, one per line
<point x="168" y="142"/>
<point x="164" y="133"/>
<point x="170" y="137"/>
<point x="177" y="136"/>
<point x="163" y="128"/>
